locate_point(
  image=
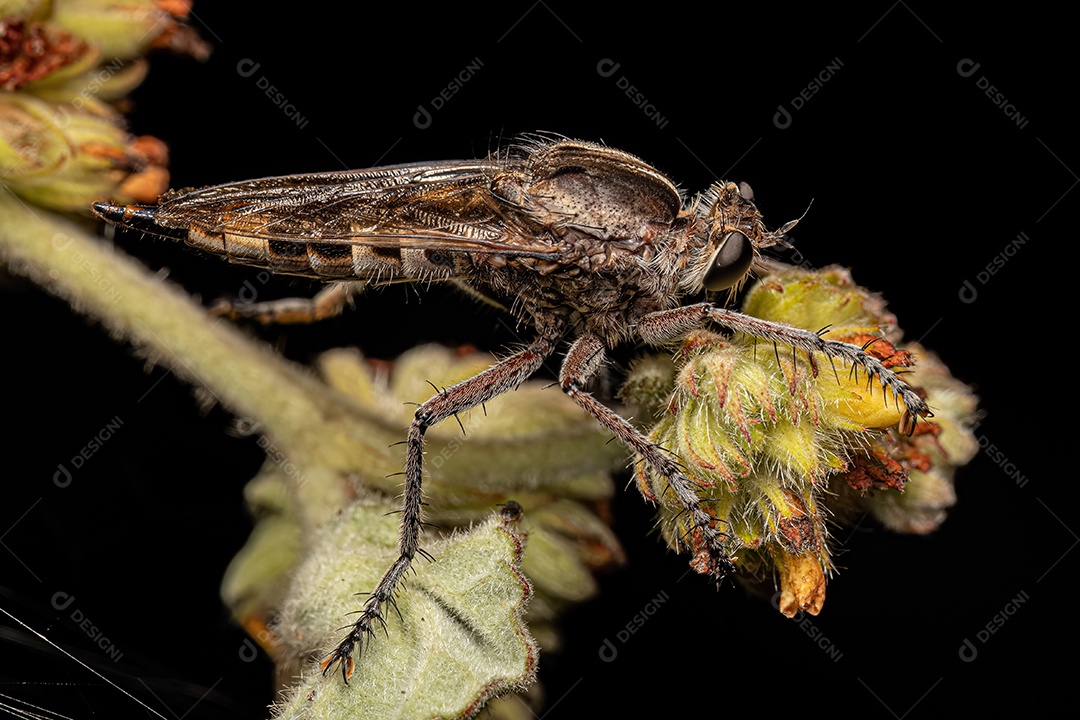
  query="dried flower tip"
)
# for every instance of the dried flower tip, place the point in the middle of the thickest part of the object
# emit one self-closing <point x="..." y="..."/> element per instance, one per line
<point x="802" y="583"/>
<point x="31" y="51"/>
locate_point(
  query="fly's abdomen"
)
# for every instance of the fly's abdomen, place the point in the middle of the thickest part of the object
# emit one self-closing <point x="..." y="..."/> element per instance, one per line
<point x="247" y="241"/>
<point x="255" y="246"/>
<point x="319" y="260"/>
<point x="327" y="260"/>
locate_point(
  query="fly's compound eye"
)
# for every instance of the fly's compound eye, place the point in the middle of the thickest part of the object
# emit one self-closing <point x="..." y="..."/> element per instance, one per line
<point x="730" y="262"/>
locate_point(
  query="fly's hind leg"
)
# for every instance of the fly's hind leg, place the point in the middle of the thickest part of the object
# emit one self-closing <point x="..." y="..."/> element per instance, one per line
<point x="583" y="360"/>
<point x="503" y="376"/>
<point x="328" y="303"/>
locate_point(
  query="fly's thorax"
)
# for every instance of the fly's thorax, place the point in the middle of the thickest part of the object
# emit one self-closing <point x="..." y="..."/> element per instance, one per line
<point x="571" y="187"/>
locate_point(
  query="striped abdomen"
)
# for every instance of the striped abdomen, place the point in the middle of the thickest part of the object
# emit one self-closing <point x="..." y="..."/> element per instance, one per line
<point x="341" y="260"/>
<point x="375" y="261"/>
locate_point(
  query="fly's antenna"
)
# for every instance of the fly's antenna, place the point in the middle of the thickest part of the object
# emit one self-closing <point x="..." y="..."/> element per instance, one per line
<point x="779" y="236"/>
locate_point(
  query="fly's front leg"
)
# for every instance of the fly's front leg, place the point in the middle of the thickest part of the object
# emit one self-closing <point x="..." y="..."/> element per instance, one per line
<point x="328" y="303"/>
<point x="665" y="325"/>
<point x="497" y="379"/>
<point x="582" y="362"/>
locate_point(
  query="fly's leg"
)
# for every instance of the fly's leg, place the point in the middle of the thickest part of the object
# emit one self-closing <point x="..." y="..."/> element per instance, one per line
<point x="328" y="303"/>
<point x="659" y="327"/>
<point x="582" y="362"/>
<point x="503" y="376"/>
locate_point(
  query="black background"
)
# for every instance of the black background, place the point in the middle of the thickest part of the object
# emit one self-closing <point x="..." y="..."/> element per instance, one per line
<point x="917" y="181"/>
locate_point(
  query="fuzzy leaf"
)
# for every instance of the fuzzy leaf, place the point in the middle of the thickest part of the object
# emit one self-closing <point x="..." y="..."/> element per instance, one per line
<point x="459" y="641"/>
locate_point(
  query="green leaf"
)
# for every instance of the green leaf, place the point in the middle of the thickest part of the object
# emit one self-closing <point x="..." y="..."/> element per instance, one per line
<point x="460" y="639"/>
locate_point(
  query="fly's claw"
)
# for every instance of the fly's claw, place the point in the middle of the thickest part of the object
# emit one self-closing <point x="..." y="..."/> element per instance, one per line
<point x="341" y="654"/>
<point x="915" y="406"/>
<point x="710" y="557"/>
<point x="709" y="554"/>
<point x="361" y="630"/>
<point x="914" y="410"/>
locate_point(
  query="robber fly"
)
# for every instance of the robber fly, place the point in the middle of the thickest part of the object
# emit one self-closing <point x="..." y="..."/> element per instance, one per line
<point x="586" y="242"/>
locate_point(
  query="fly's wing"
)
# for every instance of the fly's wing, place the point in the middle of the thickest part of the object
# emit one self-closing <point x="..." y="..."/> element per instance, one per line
<point x="423" y="221"/>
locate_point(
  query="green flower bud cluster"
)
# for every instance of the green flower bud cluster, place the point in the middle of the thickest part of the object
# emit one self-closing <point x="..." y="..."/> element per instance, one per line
<point x="64" y="65"/>
<point x="782" y="445"/>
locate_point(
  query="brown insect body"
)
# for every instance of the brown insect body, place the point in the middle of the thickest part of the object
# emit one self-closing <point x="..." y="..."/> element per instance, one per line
<point x="570" y="233"/>
<point x="584" y="240"/>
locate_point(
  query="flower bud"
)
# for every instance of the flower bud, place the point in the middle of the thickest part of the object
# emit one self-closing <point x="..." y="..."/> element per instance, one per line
<point x="66" y="160"/>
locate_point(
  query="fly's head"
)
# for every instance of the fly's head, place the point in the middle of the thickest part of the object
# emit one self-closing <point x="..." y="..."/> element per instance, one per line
<point x="731" y="235"/>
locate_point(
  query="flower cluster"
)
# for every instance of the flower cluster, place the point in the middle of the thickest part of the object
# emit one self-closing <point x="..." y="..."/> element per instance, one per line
<point x="65" y="67"/>
<point x="781" y="446"/>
